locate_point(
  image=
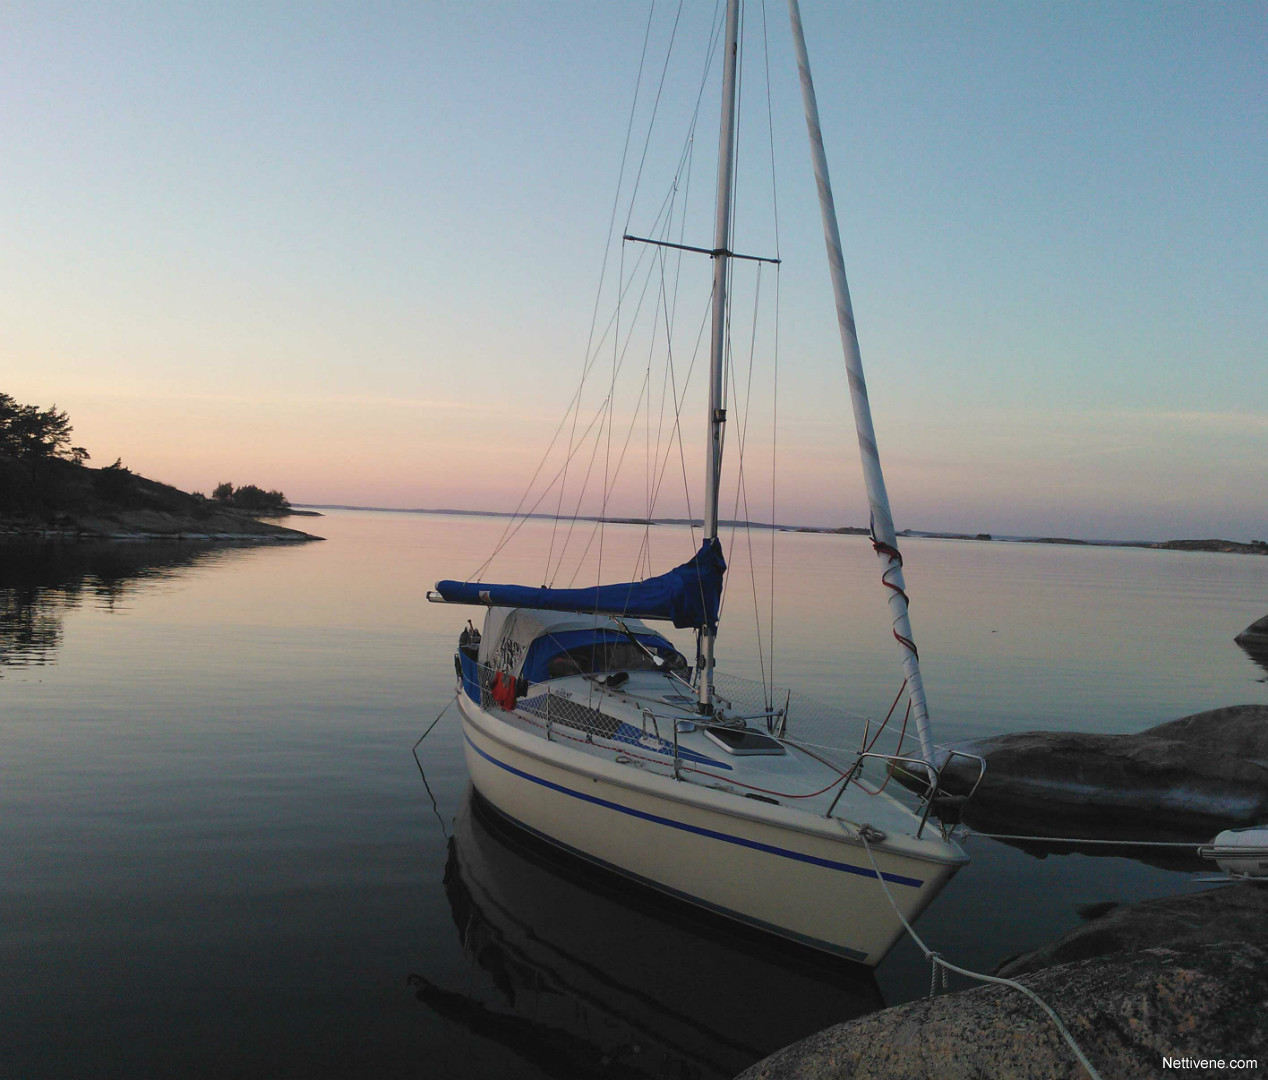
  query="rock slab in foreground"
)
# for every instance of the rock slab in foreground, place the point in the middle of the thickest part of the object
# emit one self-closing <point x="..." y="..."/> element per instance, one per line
<point x="1202" y="995"/>
<point x="1127" y="1014"/>
<point x="1203" y="772"/>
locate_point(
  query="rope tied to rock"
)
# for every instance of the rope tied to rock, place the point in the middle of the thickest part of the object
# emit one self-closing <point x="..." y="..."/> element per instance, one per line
<point x="937" y="961"/>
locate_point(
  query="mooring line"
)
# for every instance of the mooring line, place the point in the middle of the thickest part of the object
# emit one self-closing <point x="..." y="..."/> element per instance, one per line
<point x="1193" y="845"/>
<point x="433" y="724"/>
<point x="434" y="805"/>
<point x="936" y="959"/>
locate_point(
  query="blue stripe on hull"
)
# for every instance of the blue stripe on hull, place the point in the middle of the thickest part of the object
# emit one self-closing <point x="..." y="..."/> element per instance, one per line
<point x="843" y="951"/>
<point x="729" y="838"/>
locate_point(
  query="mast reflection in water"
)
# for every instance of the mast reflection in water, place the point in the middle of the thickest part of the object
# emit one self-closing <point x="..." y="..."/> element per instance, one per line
<point x="588" y="975"/>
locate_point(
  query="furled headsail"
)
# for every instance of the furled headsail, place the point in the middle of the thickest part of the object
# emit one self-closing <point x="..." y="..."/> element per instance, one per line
<point x="688" y="595"/>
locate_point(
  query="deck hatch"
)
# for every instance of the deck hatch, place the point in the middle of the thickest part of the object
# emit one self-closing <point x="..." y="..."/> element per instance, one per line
<point x="744" y="742"/>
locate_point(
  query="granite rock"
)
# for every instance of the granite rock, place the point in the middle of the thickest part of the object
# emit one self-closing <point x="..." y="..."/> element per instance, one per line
<point x="1192" y="776"/>
<point x="1204" y="994"/>
<point x="1255" y="635"/>
<point x="1230" y="913"/>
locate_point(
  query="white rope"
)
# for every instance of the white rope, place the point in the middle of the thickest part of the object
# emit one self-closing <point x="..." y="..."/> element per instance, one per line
<point x="1085" y="840"/>
<point x="937" y="960"/>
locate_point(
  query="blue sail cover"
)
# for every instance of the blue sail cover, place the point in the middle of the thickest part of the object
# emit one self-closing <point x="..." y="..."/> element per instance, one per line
<point x="687" y="595"/>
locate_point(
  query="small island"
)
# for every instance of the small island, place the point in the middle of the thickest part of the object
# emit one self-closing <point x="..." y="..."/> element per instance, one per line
<point x="47" y="491"/>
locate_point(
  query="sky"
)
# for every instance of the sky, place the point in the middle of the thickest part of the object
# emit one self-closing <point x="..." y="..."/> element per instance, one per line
<point x="352" y="251"/>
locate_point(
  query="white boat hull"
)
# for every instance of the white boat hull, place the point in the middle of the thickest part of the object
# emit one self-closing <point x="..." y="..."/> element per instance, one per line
<point x="801" y="876"/>
<point x="1240" y="852"/>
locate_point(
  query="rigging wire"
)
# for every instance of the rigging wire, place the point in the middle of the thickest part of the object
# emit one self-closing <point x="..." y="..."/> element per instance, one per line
<point x="592" y="350"/>
<point x="620" y="461"/>
<point x="670" y="307"/>
<point x="684" y="173"/>
<point x="669" y="304"/>
<point x="598" y="295"/>
<point x="732" y="384"/>
<point x="774" y="186"/>
<point x="676" y="435"/>
<point x="665" y="214"/>
<point x="613" y="332"/>
<point x="516" y="521"/>
<point x="651" y="123"/>
<point x="617" y="357"/>
<point x="741" y="487"/>
<point x="662" y="226"/>
<point x="604" y="409"/>
<point x="519" y="520"/>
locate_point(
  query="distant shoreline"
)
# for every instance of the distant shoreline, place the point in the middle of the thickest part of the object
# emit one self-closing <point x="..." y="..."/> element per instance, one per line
<point x="66" y="501"/>
<point x="1226" y="547"/>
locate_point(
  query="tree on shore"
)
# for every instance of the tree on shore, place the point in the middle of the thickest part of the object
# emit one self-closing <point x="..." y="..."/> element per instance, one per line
<point x="250" y="497"/>
<point x="32" y="434"/>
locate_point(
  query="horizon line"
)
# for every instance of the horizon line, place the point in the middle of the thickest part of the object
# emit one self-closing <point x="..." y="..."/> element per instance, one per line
<point x="925" y="534"/>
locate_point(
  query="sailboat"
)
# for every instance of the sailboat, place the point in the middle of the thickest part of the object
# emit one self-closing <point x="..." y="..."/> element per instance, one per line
<point x="585" y="726"/>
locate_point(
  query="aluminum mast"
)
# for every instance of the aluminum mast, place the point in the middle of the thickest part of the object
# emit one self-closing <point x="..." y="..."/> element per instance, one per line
<point x="883" y="536"/>
<point x="721" y="253"/>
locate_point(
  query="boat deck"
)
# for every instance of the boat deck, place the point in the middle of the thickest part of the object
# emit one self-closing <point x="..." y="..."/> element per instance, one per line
<point x="649" y="722"/>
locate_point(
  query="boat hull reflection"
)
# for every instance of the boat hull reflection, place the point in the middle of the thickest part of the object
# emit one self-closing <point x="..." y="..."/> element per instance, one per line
<point x="594" y="975"/>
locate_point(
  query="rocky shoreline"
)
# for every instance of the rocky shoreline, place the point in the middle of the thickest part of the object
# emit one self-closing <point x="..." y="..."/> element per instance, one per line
<point x="138" y="525"/>
<point x="67" y="502"/>
<point x="1255" y="637"/>
<point x="1189" y="778"/>
<point x="1179" y="977"/>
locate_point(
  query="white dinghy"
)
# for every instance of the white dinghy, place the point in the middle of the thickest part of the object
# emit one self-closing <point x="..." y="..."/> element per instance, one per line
<point x="587" y="727"/>
<point x="1240" y="853"/>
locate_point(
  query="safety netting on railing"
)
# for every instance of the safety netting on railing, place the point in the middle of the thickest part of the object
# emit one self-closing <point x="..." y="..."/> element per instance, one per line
<point x="493" y="689"/>
<point x="832" y="734"/>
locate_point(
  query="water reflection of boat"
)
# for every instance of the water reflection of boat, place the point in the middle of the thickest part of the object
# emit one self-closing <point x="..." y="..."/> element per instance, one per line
<point x="592" y="975"/>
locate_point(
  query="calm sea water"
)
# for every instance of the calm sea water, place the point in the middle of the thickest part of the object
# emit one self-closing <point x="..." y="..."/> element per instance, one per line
<point x="219" y="856"/>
